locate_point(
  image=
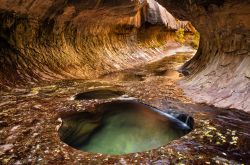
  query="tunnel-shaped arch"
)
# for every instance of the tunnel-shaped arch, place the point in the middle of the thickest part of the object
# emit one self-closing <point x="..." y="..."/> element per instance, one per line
<point x="219" y="72"/>
<point x="43" y="41"/>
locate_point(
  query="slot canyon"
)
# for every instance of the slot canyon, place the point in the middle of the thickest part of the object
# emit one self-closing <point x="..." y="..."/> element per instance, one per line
<point x="125" y="82"/>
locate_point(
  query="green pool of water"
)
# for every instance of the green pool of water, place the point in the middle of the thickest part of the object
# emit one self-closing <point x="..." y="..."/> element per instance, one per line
<point x="121" y="128"/>
<point x="98" y="94"/>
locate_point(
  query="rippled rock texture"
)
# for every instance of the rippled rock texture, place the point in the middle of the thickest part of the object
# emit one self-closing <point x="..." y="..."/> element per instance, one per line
<point x="29" y="121"/>
<point x="79" y="39"/>
<point x="219" y="73"/>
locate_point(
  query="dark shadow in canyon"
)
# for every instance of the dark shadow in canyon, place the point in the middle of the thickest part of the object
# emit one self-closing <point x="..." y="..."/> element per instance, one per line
<point x="98" y="94"/>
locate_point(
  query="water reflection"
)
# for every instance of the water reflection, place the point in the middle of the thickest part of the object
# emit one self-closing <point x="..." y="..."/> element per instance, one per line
<point x="121" y="127"/>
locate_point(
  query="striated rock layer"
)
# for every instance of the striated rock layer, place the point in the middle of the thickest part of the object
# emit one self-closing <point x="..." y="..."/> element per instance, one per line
<point x="219" y="74"/>
<point x="79" y="39"/>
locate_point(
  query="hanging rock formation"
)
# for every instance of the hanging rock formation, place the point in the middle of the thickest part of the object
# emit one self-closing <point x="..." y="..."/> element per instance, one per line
<point x="219" y="74"/>
<point x="72" y="39"/>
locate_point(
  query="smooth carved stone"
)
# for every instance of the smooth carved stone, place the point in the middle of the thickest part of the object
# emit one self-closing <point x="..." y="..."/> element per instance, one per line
<point x="79" y="39"/>
<point x="224" y="27"/>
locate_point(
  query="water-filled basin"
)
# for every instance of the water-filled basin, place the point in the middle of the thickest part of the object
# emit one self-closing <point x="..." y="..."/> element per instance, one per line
<point x="121" y="127"/>
<point x="98" y="94"/>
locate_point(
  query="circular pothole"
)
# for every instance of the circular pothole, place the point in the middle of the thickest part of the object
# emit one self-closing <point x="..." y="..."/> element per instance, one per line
<point x="121" y="127"/>
<point x="98" y="94"/>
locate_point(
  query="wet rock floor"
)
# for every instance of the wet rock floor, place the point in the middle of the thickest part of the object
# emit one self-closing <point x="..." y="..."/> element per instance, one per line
<point x="30" y="119"/>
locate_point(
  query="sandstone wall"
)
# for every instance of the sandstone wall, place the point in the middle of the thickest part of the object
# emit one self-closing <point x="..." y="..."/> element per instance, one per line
<point x="219" y="73"/>
<point x="65" y="39"/>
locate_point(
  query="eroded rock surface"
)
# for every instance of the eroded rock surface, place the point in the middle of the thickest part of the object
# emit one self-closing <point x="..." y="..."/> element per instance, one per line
<point x="41" y="41"/>
<point x="31" y="117"/>
<point x="219" y="73"/>
<point x="79" y="39"/>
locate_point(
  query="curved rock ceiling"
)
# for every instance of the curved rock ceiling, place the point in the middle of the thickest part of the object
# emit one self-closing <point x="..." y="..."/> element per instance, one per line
<point x="78" y="39"/>
<point x="219" y="74"/>
<point x="50" y="40"/>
